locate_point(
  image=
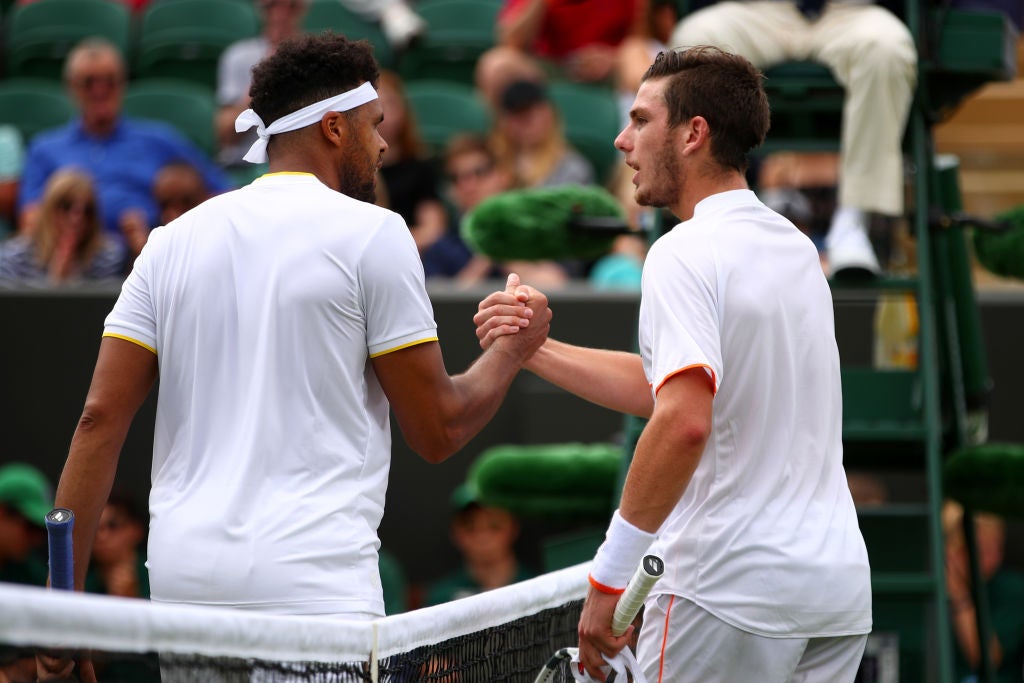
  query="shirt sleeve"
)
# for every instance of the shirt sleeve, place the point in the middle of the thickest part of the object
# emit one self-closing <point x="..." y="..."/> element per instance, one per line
<point x="397" y="309"/>
<point x="133" y="317"/>
<point x="679" y="321"/>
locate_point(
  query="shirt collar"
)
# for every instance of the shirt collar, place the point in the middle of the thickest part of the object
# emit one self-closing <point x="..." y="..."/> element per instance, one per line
<point x="723" y="200"/>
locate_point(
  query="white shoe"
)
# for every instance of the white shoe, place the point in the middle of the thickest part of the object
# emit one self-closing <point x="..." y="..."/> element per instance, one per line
<point x="848" y="248"/>
<point x="401" y="25"/>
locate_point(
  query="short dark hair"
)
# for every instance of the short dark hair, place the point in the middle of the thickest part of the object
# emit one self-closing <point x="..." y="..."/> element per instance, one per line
<point x="308" y="68"/>
<point x="726" y="89"/>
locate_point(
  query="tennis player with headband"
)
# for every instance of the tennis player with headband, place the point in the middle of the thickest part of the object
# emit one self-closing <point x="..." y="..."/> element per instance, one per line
<point x="283" y="319"/>
<point x="737" y="480"/>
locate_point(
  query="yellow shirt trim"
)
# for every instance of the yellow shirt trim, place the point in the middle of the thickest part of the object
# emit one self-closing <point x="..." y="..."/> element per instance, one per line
<point x="129" y="339"/>
<point x="403" y="346"/>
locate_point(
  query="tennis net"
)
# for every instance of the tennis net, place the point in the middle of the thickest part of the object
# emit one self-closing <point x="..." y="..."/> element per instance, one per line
<point x="507" y="634"/>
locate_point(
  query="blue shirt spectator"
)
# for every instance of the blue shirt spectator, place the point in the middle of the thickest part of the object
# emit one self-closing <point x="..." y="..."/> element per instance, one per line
<point x="122" y="155"/>
<point x="123" y="164"/>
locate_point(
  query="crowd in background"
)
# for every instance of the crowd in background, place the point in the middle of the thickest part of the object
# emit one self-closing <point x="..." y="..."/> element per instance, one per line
<point x="77" y="204"/>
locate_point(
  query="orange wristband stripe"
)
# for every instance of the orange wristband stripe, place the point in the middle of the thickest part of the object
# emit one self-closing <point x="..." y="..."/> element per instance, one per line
<point x="601" y="588"/>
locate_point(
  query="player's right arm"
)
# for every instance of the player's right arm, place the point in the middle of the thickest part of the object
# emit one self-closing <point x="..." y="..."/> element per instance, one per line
<point x="613" y="379"/>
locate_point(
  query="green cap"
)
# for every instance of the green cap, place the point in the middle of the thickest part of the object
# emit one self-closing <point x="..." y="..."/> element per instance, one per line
<point x="463" y="496"/>
<point x="27" y="490"/>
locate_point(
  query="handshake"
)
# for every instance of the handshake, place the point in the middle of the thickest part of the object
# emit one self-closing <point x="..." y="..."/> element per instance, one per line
<point x="515" y="320"/>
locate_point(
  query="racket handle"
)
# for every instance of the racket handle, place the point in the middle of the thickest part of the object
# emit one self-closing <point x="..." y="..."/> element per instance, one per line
<point x="59" y="524"/>
<point x="632" y="599"/>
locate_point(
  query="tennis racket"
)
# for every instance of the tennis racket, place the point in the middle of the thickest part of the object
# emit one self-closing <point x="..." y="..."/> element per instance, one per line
<point x="632" y="599"/>
<point x="60" y="522"/>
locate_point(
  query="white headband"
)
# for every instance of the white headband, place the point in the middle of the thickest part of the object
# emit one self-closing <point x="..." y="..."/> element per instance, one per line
<point x="257" y="154"/>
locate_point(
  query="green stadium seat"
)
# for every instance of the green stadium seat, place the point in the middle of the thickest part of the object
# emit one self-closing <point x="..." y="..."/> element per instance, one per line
<point x="445" y="108"/>
<point x="332" y="15"/>
<point x="33" y="105"/>
<point x="458" y="32"/>
<point x="39" y="35"/>
<point x="185" y="38"/>
<point x="189" y="107"/>
<point x="592" y="120"/>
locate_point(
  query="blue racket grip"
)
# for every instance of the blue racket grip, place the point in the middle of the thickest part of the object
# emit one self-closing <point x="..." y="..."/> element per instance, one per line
<point x="59" y="524"/>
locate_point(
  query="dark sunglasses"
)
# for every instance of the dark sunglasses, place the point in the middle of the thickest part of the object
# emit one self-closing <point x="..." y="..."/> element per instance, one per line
<point x="67" y="205"/>
<point x="475" y="172"/>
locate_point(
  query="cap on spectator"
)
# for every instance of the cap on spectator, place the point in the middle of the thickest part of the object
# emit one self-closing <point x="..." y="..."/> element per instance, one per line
<point x="27" y="490"/>
<point x="464" y="496"/>
<point x="521" y="95"/>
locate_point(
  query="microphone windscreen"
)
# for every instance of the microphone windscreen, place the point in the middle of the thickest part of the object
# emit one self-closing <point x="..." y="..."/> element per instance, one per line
<point x="537" y="224"/>
<point x="1002" y="252"/>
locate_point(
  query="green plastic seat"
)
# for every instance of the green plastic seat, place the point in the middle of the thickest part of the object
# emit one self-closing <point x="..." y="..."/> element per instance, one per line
<point x="185" y="38"/>
<point x="189" y="107"/>
<point x="592" y="120"/>
<point x="458" y="32"/>
<point x="33" y="105"/>
<point x="332" y="15"/>
<point x="39" y="35"/>
<point x="445" y="108"/>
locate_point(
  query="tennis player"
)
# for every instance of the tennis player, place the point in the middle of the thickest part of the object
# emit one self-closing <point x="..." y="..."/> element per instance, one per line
<point x="284" y="319"/>
<point x="737" y="480"/>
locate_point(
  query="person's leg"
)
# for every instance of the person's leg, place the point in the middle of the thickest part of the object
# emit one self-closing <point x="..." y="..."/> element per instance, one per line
<point x="831" y="659"/>
<point x="398" y="20"/>
<point x="683" y="643"/>
<point x="765" y="32"/>
<point x="872" y="55"/>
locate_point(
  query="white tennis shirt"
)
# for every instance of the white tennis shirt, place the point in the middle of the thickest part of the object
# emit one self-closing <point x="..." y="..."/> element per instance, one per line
<point x="766" y="535"/>
<point x="272" y="441"/>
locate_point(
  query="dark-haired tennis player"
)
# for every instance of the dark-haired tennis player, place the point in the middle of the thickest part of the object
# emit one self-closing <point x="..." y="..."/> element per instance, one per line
<point x="737" y="481"/>
<point x="283" y="319"/>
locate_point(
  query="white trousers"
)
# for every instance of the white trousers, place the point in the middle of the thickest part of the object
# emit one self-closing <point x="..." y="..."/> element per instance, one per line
<point x="871" y="54"/>
<point x="682" y="643"/>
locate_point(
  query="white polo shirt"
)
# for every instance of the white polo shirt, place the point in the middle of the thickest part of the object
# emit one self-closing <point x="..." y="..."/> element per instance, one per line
<point x="766" y="535"/>
<point x="272" y="442"/>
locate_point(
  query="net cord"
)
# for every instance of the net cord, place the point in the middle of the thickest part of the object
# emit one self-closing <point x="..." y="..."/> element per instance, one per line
<point x="30" y="616"/>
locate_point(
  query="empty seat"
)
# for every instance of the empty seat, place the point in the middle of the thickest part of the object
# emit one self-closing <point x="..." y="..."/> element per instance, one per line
<point x="39" y="35"/>
<point x="458" y="32"/>
<point x="592" y="120"/>
<point x="189" y="107"/>
<point x="185" y="38"/>
<point x="331" y="14"/>
<point x="445" y="108"/>
<point x="33" y="105"/>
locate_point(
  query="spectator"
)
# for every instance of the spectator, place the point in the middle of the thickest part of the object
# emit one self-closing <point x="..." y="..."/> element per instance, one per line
<point x="872" y="54"/>
<point x="118" y="564"/>
<point x="66" y="244"/>
<point x="12" y="159"/>
<point x="399" y="22"/>
<point x="485" y="537"/>
<point x="178" y="187"/>
<point x="578" y="39"/>
<point x="410" y="176"/>
<point x="1003" y="587"/>
<point x="281" y="19"/>
<point x="123" y="155"/>
<point x="25" y="497"/>
<point x="530" y="141"/>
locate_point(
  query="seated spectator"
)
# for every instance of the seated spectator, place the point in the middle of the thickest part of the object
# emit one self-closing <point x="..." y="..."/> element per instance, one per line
<point x="26" y="495"/>
<point x="66" y="244"/>
<point x="12" y="159"/>
<point x="872" y="54"/>
<point x="410" y="177"/>
<point x="1004" y="588"/>
<point x="485" y="537"/>
<point x="123" y="155"/>
<point x="529" y="140"/>
<point x="178" y="187"/>
<point x="576" y="39"/>
<point x="118" y="565"/>
<point x="397" y="19"/>
<point x="474" y="174"/>
<point x="280" y="19"/>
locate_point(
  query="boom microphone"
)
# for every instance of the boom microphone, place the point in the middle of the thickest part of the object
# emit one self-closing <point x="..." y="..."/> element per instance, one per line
<point x="568" y="221"/>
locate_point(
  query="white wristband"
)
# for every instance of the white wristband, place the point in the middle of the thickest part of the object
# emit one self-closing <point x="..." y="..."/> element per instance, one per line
<point x="620" y="554"/>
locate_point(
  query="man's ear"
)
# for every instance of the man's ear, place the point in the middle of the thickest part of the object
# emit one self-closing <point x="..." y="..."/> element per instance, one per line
<point x="332" y="125"/>
<point x="695" y="134"/>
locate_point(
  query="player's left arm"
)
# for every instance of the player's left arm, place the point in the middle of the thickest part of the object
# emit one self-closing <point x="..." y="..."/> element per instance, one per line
<point x="122" y="379"/>
<point x="666" y="456"/>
